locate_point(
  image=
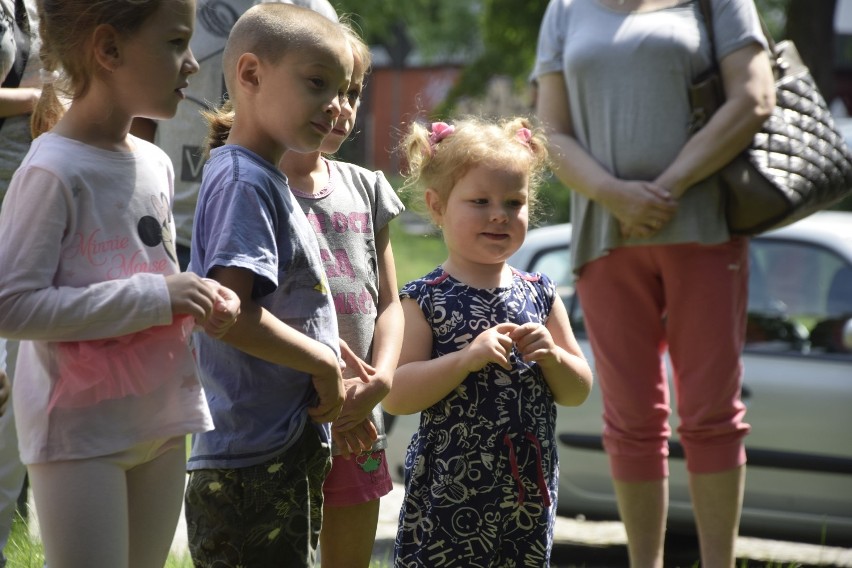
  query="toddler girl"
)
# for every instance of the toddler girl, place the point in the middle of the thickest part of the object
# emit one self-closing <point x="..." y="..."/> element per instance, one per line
<point x="488" y="352"/>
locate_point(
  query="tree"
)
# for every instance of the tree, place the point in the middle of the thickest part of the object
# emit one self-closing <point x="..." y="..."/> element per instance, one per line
<point x="810" y="25"/>
<point x="439" y="30"/>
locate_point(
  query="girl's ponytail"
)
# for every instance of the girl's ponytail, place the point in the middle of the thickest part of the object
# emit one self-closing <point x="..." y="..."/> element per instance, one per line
<point x="219" y="123"/>
<point x="48" y="109"/>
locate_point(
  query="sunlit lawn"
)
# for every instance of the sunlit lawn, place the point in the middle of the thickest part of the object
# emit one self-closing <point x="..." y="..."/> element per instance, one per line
<point x="415" y="255"/>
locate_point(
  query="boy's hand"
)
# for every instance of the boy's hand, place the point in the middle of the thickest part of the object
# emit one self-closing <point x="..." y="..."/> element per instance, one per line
<point x="330" y="391"/>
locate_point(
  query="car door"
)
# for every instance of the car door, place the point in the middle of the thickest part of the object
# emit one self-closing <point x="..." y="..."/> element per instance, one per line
<point x="798" y="390"/>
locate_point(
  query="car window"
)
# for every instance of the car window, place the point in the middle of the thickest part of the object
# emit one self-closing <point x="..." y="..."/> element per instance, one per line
<point x="800" y="296"/>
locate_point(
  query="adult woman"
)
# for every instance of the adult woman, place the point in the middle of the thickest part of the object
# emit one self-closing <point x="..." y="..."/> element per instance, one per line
<point x="656" y="266"/>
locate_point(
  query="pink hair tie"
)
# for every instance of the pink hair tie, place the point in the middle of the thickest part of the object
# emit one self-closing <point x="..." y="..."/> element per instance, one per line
<point x="440" y="130"/>
<point x="524" y="136"/>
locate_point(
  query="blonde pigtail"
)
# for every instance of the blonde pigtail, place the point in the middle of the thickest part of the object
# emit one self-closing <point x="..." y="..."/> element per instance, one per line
<point x="219" y="123"/>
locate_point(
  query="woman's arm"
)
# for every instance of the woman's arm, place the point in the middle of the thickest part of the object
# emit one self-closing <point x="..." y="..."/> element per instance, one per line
<point x="633" y="203"/>
<point x="16" y="101"/>
<point x="749" y="99"/>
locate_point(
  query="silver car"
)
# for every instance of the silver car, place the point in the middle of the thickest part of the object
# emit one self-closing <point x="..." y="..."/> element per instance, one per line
<point x="797" y="387"/>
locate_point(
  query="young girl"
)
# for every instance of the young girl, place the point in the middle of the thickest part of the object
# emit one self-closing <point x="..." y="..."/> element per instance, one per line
<point x="255" y="491"/>
<point x="350" y="208"/>
<point x="488" y="351"/>
<point x="105" y="387"/>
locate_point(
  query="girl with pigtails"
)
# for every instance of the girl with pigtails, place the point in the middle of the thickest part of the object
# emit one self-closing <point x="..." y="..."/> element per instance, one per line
<point x="488" y="352"/>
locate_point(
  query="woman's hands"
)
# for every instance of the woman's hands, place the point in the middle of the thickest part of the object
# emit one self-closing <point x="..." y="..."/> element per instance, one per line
<point x="641" y="207"/>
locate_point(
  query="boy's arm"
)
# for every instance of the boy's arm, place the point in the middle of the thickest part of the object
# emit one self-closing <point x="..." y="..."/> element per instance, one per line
<point x="259" y="333"/>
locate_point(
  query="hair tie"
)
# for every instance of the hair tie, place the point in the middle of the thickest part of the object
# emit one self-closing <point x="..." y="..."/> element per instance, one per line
<point x="524" y="136"/>
<point x="48" y="77"/>
<point x="440" y="130"/>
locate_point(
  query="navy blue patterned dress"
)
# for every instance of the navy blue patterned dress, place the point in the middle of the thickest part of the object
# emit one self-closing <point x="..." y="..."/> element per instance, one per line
<point x="481" y="472"/>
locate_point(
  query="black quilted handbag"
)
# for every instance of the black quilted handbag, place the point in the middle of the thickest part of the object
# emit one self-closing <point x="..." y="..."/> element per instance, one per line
<point x="798" y="162"/>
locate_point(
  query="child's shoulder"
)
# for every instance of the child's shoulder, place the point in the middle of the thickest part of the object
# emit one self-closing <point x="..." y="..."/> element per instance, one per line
<point x="418" y="285"/>
<point x="528" y="276"/>
<point x="534" y="279"/>
<point x="358" y="174"/>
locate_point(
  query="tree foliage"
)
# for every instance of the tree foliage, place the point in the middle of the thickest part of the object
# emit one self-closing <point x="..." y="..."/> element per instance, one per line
<point x="439" y="30"/>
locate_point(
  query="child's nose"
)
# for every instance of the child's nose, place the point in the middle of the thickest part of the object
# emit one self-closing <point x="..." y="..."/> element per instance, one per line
<point x="190" y="66"/>
<point x="499" y="214"/>
<point x="335" y="107"/>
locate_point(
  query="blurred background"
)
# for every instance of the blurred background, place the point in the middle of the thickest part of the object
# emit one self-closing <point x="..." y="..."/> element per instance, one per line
<point x="435" y="59"/>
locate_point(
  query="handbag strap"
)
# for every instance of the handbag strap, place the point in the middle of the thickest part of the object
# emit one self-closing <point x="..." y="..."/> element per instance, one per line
<point x="707" y="12"/>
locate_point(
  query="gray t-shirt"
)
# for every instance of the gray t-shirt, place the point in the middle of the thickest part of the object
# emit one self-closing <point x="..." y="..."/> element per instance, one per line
<point x="248" y="219"/>
<point x="355" y="206"/>
<point x="15" y="133"/>
<point x="627" y="76"/>
<point x="183" y="136"/>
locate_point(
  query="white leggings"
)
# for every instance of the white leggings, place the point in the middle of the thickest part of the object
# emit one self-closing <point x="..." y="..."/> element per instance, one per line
<point x="117" y="511"/>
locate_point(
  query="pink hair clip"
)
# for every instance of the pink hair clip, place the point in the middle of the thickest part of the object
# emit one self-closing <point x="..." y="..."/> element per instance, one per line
<point x="440" y="130"/>
<point x="524" y="136"/>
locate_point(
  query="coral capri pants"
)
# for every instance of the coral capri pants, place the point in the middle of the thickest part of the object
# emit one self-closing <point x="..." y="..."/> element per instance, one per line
<point x="689" y="299"/>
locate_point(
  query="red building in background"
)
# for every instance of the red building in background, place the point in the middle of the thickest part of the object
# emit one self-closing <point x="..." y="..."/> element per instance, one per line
<point x="393" y="98"/>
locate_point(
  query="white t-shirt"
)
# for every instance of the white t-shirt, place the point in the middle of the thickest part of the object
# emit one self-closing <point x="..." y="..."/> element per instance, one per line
<point x="86" y="238"/>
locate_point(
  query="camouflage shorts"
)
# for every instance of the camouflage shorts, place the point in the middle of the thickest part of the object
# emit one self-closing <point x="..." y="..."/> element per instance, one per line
<point x="264" y="515"/>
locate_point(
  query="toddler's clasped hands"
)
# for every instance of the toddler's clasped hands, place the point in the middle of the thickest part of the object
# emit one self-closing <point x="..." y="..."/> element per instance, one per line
<point x="533" y="341"/>
<point x="214" y="307"/>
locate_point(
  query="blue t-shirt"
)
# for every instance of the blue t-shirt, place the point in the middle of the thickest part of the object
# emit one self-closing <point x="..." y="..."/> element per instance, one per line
<point x="247" y="218"/>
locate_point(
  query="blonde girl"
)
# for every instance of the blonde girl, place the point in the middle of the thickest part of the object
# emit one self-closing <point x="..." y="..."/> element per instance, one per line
<point x="487" y="354"/>
<point x="106" y="386"/>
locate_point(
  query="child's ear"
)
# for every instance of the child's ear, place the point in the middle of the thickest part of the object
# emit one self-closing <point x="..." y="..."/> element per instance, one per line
<point x="435" y="206"/>
<point x="248" y="71"/>
<point x="106" y="48"/>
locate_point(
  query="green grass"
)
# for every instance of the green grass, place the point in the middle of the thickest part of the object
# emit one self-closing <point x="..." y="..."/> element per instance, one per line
<point x="24" y="551"/>
<point x="415" y="255"/>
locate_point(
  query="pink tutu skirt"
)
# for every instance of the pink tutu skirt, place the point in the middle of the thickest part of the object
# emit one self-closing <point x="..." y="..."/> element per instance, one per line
<point x="130" y="365"/>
